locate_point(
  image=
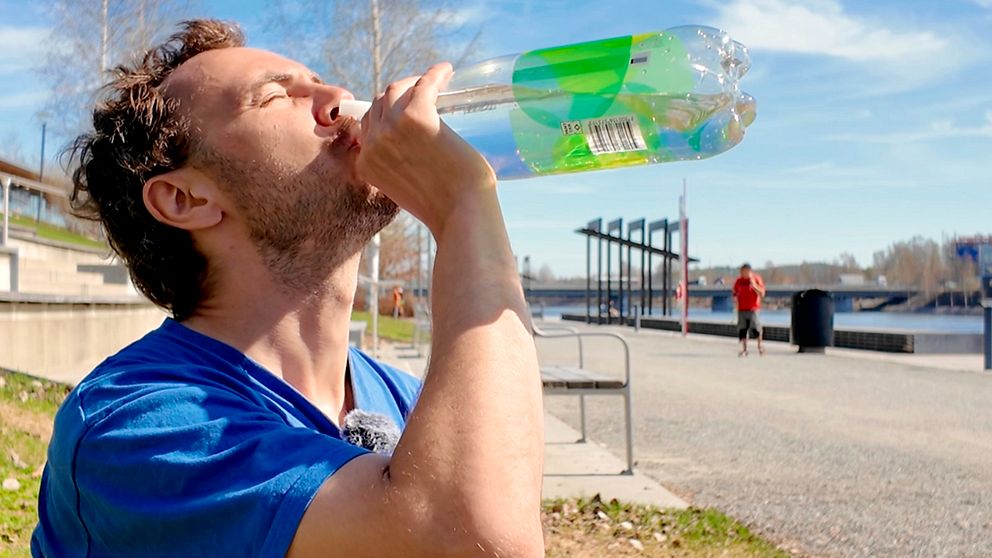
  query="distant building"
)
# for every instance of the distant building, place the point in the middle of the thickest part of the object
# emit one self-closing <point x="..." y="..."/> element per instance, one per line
<point x="42" y="201"/>
<point x="852" y="279"/>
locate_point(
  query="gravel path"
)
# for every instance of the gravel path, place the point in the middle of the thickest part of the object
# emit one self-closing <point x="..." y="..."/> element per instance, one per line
<point x="827" y="455"/>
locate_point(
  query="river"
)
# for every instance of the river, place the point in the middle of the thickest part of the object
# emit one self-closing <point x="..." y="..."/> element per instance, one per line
<point x="888" y="321"/>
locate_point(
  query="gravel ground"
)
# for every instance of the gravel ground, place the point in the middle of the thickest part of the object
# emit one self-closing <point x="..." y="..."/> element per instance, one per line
<point x="832" y="456"/>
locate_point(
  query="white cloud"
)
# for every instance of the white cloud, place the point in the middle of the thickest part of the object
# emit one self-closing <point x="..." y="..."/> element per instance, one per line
<point x="983" y="3"/>
<point x="820" y="27"/>
<point x="937" y="130"/>
<point x="889" y="59"/>
<point x="21" y="48"/>
<point x="22" y="100"/>
<point x="466" y="14"/>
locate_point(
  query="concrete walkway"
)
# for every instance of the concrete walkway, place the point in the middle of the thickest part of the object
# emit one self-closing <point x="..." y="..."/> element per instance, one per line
<point x="849" y="454"/>
<point x="570" y="469"/>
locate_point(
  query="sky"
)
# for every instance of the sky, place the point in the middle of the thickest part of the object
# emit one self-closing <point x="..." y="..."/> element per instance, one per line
<point x="874" y="124"/>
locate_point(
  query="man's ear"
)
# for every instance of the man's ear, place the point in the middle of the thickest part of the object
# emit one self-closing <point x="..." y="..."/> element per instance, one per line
<point x="183" y="198"/>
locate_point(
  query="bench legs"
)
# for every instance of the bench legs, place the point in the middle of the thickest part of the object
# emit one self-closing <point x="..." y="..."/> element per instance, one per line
<point x="582" y="417"/>
<point x="630" y="437"/>
<point x="628" y="428"/>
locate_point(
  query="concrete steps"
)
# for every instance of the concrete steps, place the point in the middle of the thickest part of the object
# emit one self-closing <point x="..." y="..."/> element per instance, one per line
<point x="38" y="276"/>
<point x="77" y="289"/>
<point x="44" y="267"/>
<point x="62" y="277"/>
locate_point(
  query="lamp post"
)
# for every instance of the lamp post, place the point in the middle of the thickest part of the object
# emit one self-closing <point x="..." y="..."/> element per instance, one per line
<point x="6" y="211"/>
<point x="41" y="169"/>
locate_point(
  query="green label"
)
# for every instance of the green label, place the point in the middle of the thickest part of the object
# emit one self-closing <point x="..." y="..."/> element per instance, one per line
<point x="567" y="93"/>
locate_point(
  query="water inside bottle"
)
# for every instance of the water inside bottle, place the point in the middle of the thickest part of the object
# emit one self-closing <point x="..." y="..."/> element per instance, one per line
<point x="663" y="128"/>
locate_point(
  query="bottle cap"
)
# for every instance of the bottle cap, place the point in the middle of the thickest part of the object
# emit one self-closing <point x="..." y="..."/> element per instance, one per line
<point x="353" y="108"/>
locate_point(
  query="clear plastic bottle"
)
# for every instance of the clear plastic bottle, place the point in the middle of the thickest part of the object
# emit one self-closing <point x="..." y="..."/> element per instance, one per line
<point x="651" y="98"/>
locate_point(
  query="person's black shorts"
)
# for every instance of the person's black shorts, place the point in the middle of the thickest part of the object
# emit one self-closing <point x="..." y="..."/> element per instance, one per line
<point x="747" y="321"/>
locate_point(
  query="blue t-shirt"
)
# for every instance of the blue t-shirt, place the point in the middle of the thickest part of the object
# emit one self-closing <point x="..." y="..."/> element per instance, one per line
<point x="180" y="445"/>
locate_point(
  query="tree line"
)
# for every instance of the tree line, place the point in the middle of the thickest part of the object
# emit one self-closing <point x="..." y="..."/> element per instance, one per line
<point x="919" y="263"/>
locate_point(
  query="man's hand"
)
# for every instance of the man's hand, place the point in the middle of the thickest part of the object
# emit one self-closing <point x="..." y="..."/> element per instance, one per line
<point x="413" y="157"/>
<point x="756" y="286"/>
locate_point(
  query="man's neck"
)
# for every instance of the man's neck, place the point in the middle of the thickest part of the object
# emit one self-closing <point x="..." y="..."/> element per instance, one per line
<point x="300" y="337"/>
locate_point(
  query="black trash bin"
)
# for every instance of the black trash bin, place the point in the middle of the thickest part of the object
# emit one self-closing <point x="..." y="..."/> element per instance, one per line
<point x="812" y="321"/>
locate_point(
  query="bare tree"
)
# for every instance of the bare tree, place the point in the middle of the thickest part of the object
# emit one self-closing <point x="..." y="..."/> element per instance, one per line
<point x="848" y="263"/>
<point x="89" y="38"/>
<point x="398" y="258"/>
<point x="362" y="45"/>
<point x="913" y="263"/>
<point x="773" y="275"/>
<point x="12" y="148"/>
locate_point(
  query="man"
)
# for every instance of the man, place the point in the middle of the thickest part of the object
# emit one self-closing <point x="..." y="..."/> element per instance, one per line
<point x="397" y="302"/>
<point x="240" y="201"/>
<point x="748" y="292"/>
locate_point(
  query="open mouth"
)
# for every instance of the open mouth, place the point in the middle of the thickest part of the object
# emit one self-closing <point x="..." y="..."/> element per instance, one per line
<point x="347" y="135"/>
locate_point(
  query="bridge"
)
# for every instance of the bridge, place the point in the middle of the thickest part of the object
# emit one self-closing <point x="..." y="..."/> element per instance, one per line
<point x="722" y="299"/>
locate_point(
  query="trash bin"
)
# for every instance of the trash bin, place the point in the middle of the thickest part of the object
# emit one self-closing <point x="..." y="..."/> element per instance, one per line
<point x="812" y="321"/>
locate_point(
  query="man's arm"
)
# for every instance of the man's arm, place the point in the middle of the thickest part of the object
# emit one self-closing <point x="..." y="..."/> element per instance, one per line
<point x="465" y="478"/>
<point x="758" y="285"/>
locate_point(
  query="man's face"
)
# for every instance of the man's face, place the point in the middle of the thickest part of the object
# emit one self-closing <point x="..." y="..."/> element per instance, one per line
<point x="266" y="136"/>
<point x="746" y="272"/>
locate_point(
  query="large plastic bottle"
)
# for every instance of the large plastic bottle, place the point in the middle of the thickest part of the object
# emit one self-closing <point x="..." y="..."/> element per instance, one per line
<point x="650" y="98"/>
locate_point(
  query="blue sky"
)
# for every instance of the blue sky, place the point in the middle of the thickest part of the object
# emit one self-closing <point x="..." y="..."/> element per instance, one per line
<point x="874" y="124"/>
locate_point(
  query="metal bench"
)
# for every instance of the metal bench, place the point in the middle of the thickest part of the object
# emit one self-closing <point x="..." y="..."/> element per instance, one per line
<point x="579" y="381"/>
<point x="421" y="327"/>
<point x="356" y="330"/>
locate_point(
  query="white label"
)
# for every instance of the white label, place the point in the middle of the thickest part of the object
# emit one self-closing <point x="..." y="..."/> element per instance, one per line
<point x="615" y="134"/>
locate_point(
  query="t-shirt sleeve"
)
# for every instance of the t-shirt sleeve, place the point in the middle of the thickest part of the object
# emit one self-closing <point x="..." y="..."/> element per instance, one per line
<point x="199" y="471"/>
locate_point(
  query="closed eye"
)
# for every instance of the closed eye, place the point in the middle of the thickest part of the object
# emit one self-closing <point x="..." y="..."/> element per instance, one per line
<point x="271" y="98"/>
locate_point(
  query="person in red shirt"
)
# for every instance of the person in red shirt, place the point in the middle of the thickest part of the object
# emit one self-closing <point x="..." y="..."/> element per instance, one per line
<point x="748" y="292"/>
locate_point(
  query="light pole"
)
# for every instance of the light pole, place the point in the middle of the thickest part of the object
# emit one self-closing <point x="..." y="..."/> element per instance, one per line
<point x="41" y="170"/>
<point x="6" y="211"/>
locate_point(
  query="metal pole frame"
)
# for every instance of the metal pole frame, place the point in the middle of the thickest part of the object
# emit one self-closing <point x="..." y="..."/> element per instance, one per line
<point x="597" y="225"/>
<point x="661" y="224"/>
<point x="527" y="276"/>
<point x="987" y="337"/>
<point x="614" y="225"/>
<point x="985" y="272"/>
<point x="631" y="227"/>
<point x="599" y="277"/>
<point x="667" y="273"/>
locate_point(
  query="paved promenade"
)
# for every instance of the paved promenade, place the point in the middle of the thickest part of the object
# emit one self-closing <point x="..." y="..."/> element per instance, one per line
<point x="570" y="469"/>
<point x="849" y="454"/>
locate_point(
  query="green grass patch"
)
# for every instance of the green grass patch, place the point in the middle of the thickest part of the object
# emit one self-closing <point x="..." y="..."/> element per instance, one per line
<point x="593" y="527"/>
<point x="395" y="329"/>
<point x="49" y="232"/>
<point x="28" y="407"/>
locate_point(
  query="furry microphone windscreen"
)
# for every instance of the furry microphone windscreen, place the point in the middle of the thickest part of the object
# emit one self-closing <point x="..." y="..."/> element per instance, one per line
<point x="373" y="431"/>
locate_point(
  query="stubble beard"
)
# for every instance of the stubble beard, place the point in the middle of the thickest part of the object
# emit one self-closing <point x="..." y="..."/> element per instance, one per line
<point x="304" y="223"/>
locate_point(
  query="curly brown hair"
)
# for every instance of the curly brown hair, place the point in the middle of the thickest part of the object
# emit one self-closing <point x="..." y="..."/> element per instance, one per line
<point x="139" y="132"/>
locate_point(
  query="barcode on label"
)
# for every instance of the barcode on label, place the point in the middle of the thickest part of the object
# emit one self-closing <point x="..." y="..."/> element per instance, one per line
<point x="616" y="134"/>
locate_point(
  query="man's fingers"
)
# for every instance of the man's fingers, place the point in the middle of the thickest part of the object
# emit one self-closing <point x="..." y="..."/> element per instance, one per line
<point x="394" y="91"/>
<point x="431" y="83"/>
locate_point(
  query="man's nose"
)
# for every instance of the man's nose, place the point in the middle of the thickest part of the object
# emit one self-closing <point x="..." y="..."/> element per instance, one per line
<point x="327" y="99"/>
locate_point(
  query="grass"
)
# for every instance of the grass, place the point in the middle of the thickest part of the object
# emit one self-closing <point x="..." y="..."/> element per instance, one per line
<point x="578" y="528"/>
<point x="587" y="528"/>
<point x="396" y="329"/>
<point x="27" y="407"/>
<point x="46" y="231"/>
